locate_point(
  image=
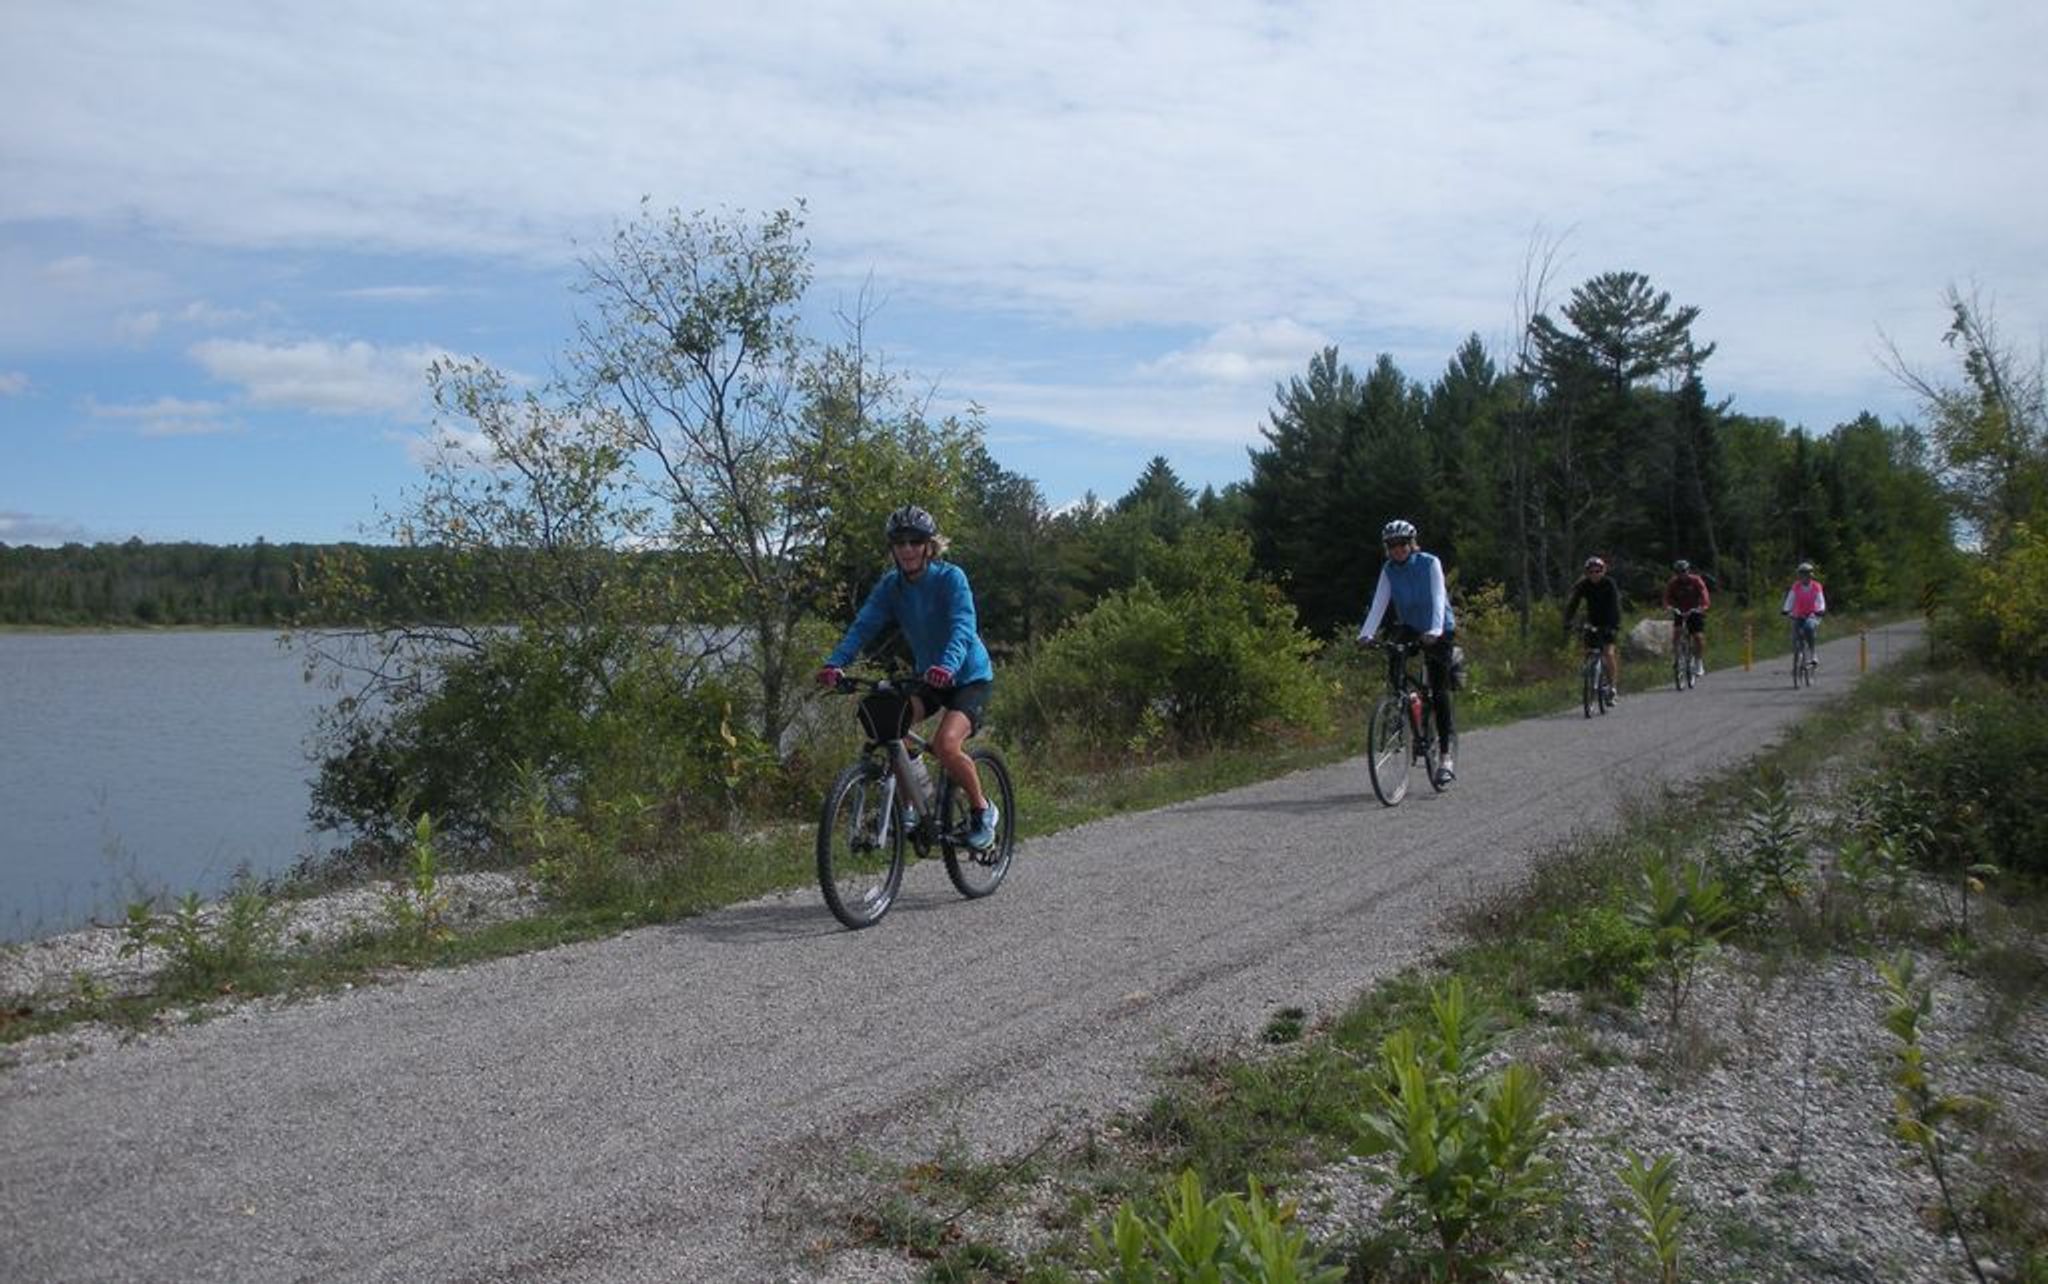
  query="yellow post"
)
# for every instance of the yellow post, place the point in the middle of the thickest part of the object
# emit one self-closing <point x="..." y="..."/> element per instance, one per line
<point x="1748" y="644"/>
<point x="1862" y="651"/>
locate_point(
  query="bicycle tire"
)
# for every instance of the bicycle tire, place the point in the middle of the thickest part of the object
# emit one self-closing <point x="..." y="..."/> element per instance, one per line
<point x="860" y="878"/>
<point x="1606" y="688"/>
<point x="1801" y="674"/>
<point x="977" y="873"/>
<point x="1681" y="660"/>
<point x="1386" y="749"/>
<point x="1590" y="694"/>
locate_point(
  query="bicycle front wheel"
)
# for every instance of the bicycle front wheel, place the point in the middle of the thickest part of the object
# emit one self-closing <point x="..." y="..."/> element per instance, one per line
<point x="976" y="873"/>
<point x="860" y="847"/>
<point x="1589" y="684"/>
<point x="1681" y="662"/>
<point x="1386" y="749"/>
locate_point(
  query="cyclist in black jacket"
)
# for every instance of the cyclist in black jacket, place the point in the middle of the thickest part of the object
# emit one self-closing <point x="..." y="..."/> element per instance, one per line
<point x="1602" y="597"/>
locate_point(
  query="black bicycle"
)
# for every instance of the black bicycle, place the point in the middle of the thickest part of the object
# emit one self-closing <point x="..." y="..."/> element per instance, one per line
<point x="884" y="805"/>
<point x="1596" y="681"/>
<point x="1684" y="659"/>
<point x="1402" y="731"/>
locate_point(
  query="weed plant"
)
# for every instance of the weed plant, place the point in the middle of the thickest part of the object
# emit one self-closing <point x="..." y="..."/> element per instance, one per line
<point x="1920" y="1109"/>
<point x="1467" y="1143"/>
<point x="1655" y="1211"/>
<point x="209" y="951"/>
<point x="1194" y="1240"/>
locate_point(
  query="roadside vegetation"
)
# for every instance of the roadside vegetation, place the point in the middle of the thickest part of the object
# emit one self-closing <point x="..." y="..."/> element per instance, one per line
<point x="1449" y="1125"/>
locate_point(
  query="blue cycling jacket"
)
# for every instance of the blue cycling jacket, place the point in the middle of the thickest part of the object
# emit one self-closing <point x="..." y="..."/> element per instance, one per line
<point x="1416" y="590"/>
<point x="935" y="612"/>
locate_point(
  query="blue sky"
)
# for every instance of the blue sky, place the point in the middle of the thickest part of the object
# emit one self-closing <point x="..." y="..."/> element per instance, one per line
<point x="233" y="234"/>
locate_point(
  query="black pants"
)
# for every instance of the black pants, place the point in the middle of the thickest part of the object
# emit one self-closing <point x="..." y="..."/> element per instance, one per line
<point x="1436" y="666"/>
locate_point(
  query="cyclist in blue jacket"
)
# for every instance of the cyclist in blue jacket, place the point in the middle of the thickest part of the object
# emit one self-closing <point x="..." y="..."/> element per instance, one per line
<point x="928" y="598"/>
<point x="1412" y="584"/>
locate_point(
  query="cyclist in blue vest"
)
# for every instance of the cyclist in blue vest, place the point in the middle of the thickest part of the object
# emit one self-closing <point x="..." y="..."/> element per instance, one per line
<point x="1412" y="584"/>
<point x="928" y="598"/>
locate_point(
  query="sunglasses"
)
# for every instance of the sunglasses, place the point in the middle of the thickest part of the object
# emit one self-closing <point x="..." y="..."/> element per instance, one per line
<point x="1400" y="543"/>
<point x="899" y="541"/>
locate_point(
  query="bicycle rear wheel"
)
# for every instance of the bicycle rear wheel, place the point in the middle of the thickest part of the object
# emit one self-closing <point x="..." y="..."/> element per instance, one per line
<point x="860" y="867"/>
<point x="1606" y="687"/>
<point x="977" y="873"/>
<point x="1386" y="749"/>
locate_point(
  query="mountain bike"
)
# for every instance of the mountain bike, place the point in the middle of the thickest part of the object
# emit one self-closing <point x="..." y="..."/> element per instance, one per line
<point x="1803" y="661"/>
<point x="883" y="805"/>
<point x="1596" y="684"/>
<point x="1402" y="731"/>
<point x="1684" y="659"/>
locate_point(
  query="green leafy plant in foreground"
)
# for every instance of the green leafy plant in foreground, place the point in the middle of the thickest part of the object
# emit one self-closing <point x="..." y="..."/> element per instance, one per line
<point x="1228" y="1238"/>
<point x="1468" y="1145"/>
<point x="417" y="905"/>
<point x="1685" y="910"/>
<point x="1919" y="1111"/>
<point x="1659" y="1217"/>
<point x="206" y="951"/>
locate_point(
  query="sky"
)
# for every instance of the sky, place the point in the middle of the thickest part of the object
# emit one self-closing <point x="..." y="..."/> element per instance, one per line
<point x="233" y="234"/>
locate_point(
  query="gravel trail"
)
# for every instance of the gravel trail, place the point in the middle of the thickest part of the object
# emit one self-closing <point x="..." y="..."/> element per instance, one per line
<point x="636" y="1108"/>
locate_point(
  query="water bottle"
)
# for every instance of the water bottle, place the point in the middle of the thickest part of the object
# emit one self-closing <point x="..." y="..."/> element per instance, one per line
<point x="920" y="780"/>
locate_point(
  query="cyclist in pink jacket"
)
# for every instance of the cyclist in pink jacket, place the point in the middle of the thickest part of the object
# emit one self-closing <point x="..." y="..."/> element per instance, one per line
<point x="1806" y="601"/>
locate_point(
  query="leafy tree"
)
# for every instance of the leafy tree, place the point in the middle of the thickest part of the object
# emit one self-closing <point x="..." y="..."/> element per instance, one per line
<point x="1989" y="435"/>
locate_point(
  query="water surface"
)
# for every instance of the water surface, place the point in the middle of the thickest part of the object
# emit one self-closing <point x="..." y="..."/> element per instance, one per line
<point x="133" y="763"/>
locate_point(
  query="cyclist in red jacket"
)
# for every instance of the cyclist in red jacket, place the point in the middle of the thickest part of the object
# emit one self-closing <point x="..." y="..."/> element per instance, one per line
<point x="1686" y="593"/>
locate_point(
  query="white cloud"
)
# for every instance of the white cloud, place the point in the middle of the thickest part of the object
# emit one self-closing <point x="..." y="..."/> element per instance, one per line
<point x="139" y="327"/>
<point x="36" y="528"/>
<point x="12" y="383"/>
<point x="446" y="441"/>
<point x="1244" y="352"/>
<point x="169" y="417"/>
<point x="1131" y="411"/>
<point x="323" y="377"/>
<point x="397" y="293"/>
<point x="1364" y="170"/>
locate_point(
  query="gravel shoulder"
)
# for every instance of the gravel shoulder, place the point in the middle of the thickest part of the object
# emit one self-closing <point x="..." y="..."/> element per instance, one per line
<point x="639" y="1107"/>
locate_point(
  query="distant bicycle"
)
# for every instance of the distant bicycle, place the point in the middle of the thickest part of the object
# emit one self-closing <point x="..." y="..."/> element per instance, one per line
<point x="1402" y="731"/>
<point x="1803" y="659"/>
<point x="1684" y="659"/>
<point x="1596" y="684"/>
<point x="883" y="805"/>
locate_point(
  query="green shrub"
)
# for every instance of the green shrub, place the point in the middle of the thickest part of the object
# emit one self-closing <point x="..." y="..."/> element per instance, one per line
<point x="1602" y="952"/>
<point x="1973" y="793"/>
<point x="1995" y="614"/>
<point x="1195" y="653"/>
<point x="590" y="721"/>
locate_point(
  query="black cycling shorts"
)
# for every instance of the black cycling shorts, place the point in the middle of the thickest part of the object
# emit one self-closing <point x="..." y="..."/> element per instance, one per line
<point x="970" y="699"/>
